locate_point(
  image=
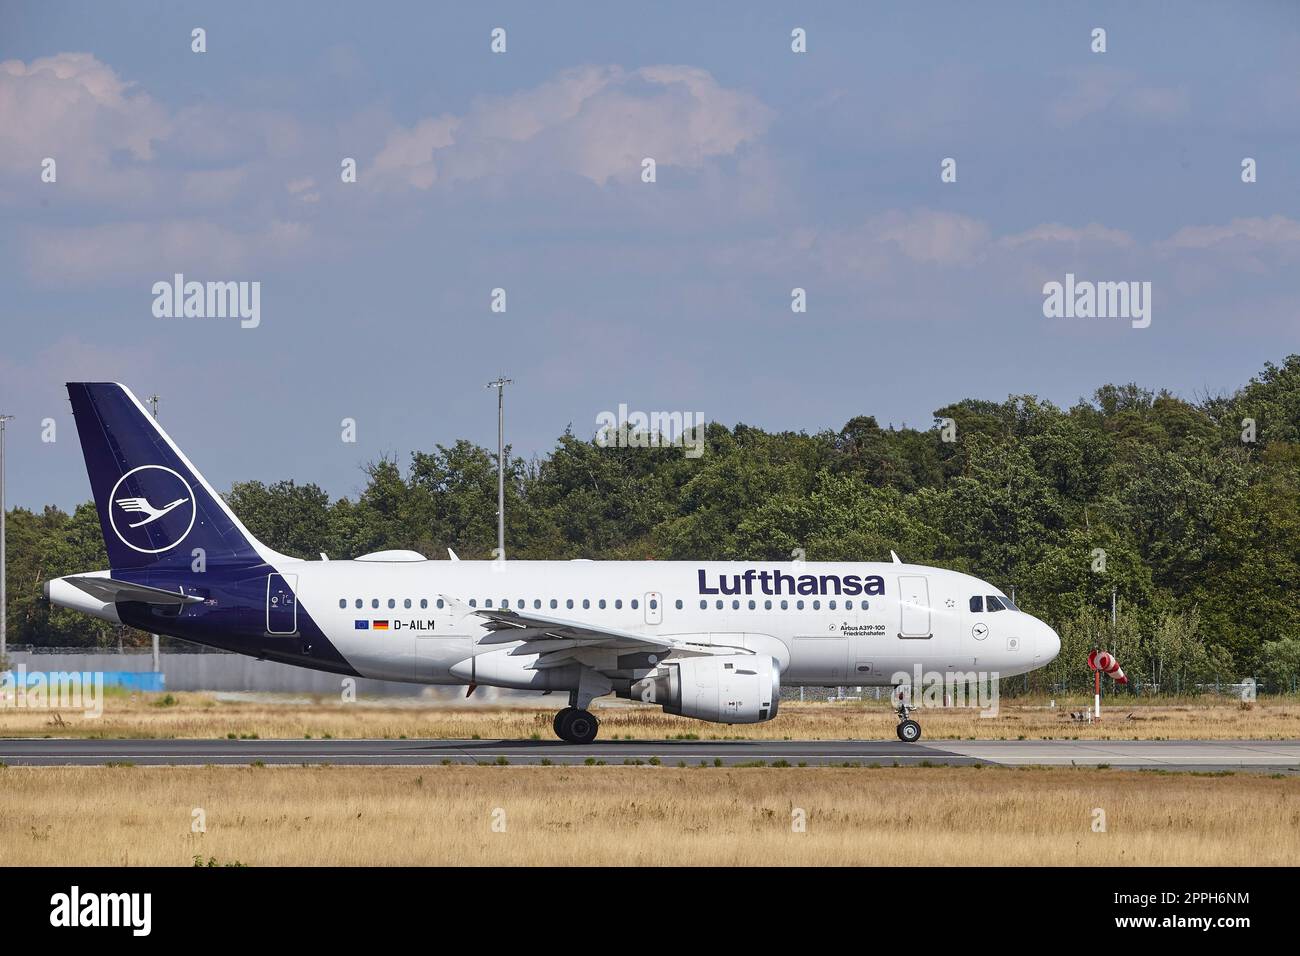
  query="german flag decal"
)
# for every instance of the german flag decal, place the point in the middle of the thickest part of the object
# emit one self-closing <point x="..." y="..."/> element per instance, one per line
<point x="380" y="625"/>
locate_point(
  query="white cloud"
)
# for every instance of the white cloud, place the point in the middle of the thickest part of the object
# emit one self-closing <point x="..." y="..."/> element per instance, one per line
<point x="77" y="110"/>
<point x="1057" y="232"/>
<point x="1102" y="89"/>
<point x="1273" y="231"/>
<point x="873" y="249"/>
<point x="597" y="122"/>
<point x="409" y="153"/>
<point x="130" y="251"/>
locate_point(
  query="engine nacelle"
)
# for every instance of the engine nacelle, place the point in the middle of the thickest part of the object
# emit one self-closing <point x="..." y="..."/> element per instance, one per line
<point x="725" y="689"/>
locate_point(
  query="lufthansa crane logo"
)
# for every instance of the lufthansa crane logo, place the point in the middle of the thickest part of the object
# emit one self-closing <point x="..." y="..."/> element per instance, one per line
<point x="151" y="509"/>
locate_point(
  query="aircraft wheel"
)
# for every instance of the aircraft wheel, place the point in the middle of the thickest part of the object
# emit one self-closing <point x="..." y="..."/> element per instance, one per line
<point x="558" y="723"/>
<point x="579" y="727"/>
<point x="909" y="731"/>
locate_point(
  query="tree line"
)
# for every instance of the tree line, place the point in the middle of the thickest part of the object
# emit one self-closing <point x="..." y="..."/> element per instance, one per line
<point x="1188" y="509"/>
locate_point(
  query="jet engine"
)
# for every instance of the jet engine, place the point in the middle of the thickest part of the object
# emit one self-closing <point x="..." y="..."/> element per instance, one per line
<point x="725" y="689"/>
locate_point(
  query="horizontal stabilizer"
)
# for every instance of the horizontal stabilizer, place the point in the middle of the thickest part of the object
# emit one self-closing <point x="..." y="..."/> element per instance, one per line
<point x="108" y="590"/>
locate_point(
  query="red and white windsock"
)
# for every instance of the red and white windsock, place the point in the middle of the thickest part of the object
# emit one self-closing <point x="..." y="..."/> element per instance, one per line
<point x="1106" y="663"/>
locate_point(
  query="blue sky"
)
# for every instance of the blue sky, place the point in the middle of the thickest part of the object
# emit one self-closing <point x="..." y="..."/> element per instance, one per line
<point x="522" y="171"/>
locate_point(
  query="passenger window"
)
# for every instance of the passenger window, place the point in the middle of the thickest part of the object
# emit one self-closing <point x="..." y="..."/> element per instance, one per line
<point x="439" y="603"/>
<point x="569" y="603"/>
<point x="520" y="604"/>
<point x="831" y="605"/>
<point x="679" y="605"/>
<point x="992" y="602"/>
<point x="618" y="604"/>
<point x="554" y="604"/>
<point x="752" y="605"/>
<point x="785" y="605"/>
<point x="654" y="603"/>
<point x="976" y="604"/>
<point x="767" y="605"/>
<point x="537" y="603"/>
<point x="635" y="604"/>
<point x="487" y="603"/>
<point x="343" y="602"/>
<point x="735" y="605"/>
<point x="473" y="602"/>
<point x="358" y="604"/>
<point x="719" y="604"/>
<point x="817" y="605"/>
<point x="601" y="604"/>
<point x="798" y="606"/>
<point x="848" y="605"/>
<point x="392" y="602"/>
<point x="406" y="603"/>
<point x="585" y="604"/>
<point x="374" y="602"/>
<point x="704" y="605"/>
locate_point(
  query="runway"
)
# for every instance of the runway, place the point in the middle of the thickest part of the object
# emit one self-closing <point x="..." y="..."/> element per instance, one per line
<point x="1273" y="756"/>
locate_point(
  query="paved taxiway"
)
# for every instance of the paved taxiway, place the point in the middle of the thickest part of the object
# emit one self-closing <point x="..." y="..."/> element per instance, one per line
<point x="1204" y="755"/>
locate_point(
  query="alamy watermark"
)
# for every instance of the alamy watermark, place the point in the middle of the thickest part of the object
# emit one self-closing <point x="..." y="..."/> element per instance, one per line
<point x="624" y="429"/>
<point x="179" y="299"/>
<point x="948" y="689"/>
<point x="1084" y="299"/>
<point x="53" y="690"/>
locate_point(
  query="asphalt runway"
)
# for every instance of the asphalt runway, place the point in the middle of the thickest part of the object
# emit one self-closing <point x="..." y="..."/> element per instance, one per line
<point x="1273" y="756"/>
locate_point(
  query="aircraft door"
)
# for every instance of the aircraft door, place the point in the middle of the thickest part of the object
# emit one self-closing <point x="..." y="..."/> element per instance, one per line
<point x="914" y="607"/>
<point x="281" y="604"/>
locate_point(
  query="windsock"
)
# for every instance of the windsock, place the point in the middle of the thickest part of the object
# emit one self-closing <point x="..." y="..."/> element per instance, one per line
<point x="1106" y="663"/>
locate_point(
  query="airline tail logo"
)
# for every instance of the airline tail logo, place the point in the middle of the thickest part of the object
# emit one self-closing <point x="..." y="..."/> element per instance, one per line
<point x="142" y="506"/>
<point x="155" y="528"/>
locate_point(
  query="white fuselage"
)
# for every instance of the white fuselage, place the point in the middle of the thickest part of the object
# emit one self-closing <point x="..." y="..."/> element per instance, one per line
<point x="923" y="618"/>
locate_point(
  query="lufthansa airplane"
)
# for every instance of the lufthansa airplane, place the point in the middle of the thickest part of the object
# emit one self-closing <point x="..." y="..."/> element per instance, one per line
<point x="711" y="640"/>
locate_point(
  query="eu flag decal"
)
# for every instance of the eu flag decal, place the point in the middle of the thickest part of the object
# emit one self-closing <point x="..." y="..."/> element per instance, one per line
<point x="361" y="625"/>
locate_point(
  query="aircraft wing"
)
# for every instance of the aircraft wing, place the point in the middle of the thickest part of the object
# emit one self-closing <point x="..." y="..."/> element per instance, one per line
<point x="557" y="641"/>
<point x="508" y="626"/>
<point x="106" y="589"/>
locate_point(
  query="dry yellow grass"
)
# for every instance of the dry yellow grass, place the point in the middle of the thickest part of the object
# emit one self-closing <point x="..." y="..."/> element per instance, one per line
<point x="642" y="815"/>
<point x="204" y="715"/>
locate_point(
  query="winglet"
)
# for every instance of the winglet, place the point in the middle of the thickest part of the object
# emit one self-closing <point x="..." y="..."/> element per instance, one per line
<point x="895" y="557"/>
<point x="452" y="554"/>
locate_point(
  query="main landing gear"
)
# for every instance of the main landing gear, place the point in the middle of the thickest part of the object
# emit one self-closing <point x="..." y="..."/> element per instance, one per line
<point x="576" y="726"/>
<point x="909" y="731"/>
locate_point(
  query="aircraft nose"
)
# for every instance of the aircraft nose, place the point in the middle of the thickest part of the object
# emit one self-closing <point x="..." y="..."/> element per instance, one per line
<point x="1048" y="643"/>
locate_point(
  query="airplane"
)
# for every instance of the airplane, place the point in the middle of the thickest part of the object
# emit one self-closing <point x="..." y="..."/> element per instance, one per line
<point x="711" y="640"/>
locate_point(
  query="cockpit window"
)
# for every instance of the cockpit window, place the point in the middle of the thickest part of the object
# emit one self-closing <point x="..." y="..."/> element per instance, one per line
<point x="994" y="602"/>
<point x="976" y="604"/>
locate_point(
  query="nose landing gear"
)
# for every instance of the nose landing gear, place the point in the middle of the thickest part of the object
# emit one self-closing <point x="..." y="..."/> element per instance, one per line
<point x="909" y="731"/>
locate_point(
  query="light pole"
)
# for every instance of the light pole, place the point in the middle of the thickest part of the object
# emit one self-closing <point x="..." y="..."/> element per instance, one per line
<point x="4" y="614"/>
<point x="153" y="405"/>
<point x="500" y="385"/>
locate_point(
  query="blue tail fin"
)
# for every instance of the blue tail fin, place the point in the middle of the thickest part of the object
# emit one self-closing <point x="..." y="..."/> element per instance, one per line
<point x="155" y="509"/>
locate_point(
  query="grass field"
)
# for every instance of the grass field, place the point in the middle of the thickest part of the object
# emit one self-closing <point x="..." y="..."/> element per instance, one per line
<point x="205" y="715"/>
<point x="642" y="815"/>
